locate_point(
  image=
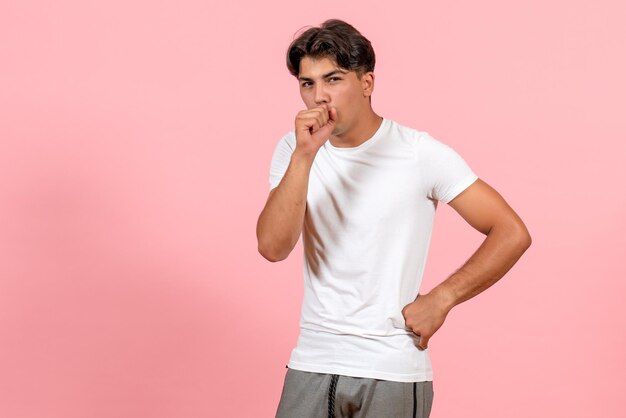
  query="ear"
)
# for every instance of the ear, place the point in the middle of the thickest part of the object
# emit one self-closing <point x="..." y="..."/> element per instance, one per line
<point x="367" y="82"/>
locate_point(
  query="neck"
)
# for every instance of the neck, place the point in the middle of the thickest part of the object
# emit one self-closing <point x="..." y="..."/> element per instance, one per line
<point x="363" y="130"/>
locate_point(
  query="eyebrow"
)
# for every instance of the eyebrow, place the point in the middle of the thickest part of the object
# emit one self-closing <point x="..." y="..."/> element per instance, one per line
<point x="324" y="76"/>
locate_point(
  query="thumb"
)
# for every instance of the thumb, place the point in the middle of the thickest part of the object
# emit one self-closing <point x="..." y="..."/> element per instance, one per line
<point x="325" y="131"/>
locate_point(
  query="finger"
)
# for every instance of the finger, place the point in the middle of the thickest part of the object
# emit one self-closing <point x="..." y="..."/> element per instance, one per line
<point x="324" y="132"/>
<point x="333" y="114"/>
<point x="307" y="121"/>
<point x="423" y="344"/>
<point x="322" y="115"/>
<point x="314" y="122"/>
<point x="314" y="125"/>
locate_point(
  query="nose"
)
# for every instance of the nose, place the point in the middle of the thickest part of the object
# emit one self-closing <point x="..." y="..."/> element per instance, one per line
<point x="321" y="96"/>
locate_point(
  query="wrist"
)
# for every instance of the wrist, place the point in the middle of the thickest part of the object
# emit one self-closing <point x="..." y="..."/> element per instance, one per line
<point x="304" y="156"/>
<point x="445" y="296"/>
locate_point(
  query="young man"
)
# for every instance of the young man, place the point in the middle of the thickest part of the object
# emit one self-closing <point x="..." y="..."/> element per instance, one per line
<point x="363" y="190"/>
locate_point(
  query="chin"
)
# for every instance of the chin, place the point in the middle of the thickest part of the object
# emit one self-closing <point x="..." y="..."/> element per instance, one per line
<point x="339" y="129"/>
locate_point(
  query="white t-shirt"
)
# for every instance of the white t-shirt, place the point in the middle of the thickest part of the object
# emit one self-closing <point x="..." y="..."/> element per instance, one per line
<point x="366" y="233"/>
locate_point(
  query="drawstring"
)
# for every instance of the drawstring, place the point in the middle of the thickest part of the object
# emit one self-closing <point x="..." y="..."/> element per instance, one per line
<point x="414" y="399"/>
<point x="331" y="395"/>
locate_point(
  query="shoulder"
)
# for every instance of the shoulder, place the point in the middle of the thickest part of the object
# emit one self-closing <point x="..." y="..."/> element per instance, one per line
<point x="285" y="146"/>
<point x="409" y="135"/>
<point x="427" y="149"/>
<point x="288" y="139"/>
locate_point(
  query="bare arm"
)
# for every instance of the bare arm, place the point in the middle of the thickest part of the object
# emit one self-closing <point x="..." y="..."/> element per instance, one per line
<point x="280" y="223"/>
<point x="507" y="239"/>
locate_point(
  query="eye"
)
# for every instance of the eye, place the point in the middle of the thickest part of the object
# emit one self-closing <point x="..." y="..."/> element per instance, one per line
<point x="306" y="84"/>
<point x="332" y="79"/>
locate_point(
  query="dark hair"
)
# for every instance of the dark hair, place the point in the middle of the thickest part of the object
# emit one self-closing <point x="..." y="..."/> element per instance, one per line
<point x="334" y="39"/>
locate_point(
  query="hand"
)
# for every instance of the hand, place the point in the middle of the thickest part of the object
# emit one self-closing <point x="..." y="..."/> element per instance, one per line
<point x="314" y="127"/>
<point x="425" y="315"/>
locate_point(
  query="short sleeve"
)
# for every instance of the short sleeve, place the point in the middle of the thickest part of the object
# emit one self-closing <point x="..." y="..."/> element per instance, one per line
<point x="281" y="158"/>
<point x="444" y="172"/>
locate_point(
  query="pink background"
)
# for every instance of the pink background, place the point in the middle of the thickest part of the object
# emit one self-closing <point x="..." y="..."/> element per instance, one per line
<point x="135" y="142"/>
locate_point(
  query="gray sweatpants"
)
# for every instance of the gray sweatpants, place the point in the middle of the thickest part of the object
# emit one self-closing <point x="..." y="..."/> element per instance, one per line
<point x="318" y="395"/>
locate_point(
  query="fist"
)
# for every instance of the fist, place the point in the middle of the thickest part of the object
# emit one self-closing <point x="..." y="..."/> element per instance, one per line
<point x="314" y="127"/>
<point x="424" y="316"/>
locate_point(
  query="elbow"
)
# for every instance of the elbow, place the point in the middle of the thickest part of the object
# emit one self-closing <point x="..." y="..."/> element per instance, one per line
<point x="273" y="246"/>
<point x="527" y="241"/>
<point x="270" y="253"/>
<point x="516" y="233"/>
<point x="266" y="245"/>
<point x="523" y="238"/>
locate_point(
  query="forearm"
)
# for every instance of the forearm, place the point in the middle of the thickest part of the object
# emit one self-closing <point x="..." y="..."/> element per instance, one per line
<point x="280" y="223"/>
<point x="503" y="246"/>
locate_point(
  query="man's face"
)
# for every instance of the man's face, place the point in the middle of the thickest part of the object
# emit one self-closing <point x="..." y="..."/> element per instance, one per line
<point x="323" y="81"/>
